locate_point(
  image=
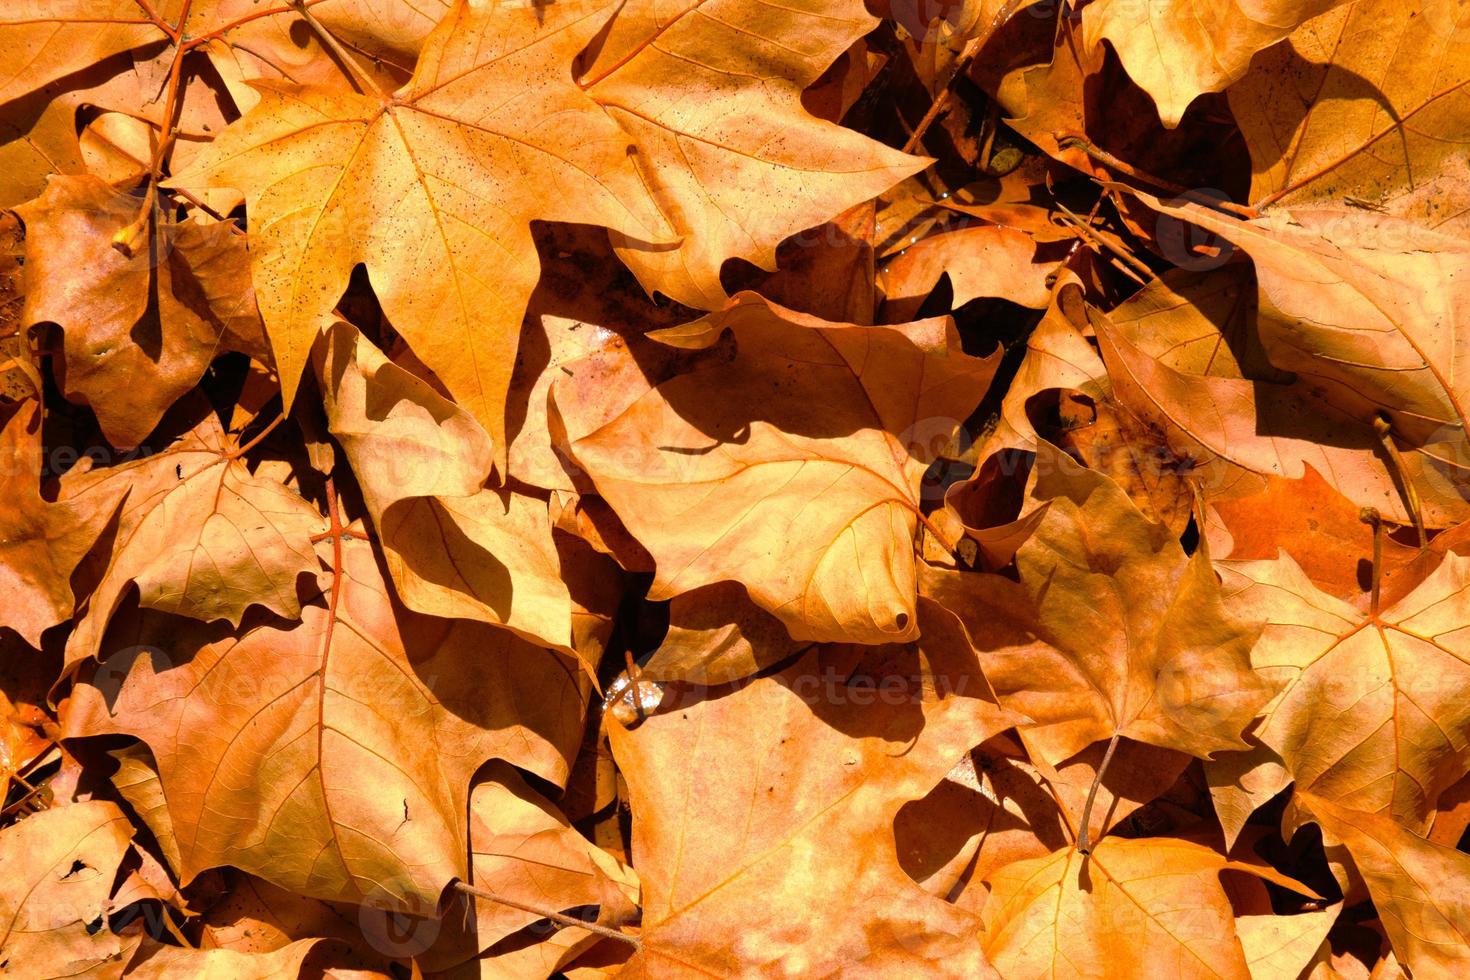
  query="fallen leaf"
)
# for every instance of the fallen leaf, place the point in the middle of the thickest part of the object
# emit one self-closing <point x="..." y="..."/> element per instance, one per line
<point x="408" y="184"/>
<point x="321" y="750"/>
<point x="845" y="736"/>
<point x="715" y="471"/>
<point x="1362" y="719"/>
<point x="453" y="548"/>
<point x="1365" y="106"/>
<point x="1109" y="629"/>
<point x="1178" y="49"/>
<point x="56" y="875"/>
<point x="1420" y="890"/>
<point x="139" y="331"/>
<point x="1238" y="429"/>
<point x="41" y="542"/>
<point x="710" y="95"/>
<point x="1117" y="912"/>
<point x="198" y="534"/>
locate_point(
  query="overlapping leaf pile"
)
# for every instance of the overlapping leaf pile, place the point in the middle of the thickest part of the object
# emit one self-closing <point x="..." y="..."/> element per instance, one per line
<point x="725" y="487"/>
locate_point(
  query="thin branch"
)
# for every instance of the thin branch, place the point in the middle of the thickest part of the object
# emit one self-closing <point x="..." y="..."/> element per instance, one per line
<point x="557" y="917"/>
<point x="1133" y="262"/>
<point x="1077" y="141"/>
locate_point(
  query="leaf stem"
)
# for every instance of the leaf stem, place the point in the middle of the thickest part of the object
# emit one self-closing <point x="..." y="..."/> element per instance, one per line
<point x="1084" y="835"/>
<point x="173" y="32"/>
<point x="258" y="439"/>
<point x="359" y="77"/>
<point x="557" y="917"/>
<point x="1370" y="516"/>
<point x="1383" y="428"/>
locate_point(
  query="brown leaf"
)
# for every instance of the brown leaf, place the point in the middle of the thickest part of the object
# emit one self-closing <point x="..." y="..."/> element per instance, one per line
<point x="717" y="636"/>
<point x="717" y="471"/>
<point x="1421" y="890"/>
<point x="733" y="160"/>
<point x="983" y="260"/>
<point x="410" y="185"/>
<point x="316" y="730"/>
<point x="40" y="542"/>
<point x="153" y="961"/>
<point x="1239" y="428"/>
<point x="1118" y="912"/>
<point x="790" y="864"/>
<point x="1179" y="49"/>
<point x="198" y="534"/>
<point x="1110" y="629"/>
<point x="1312" y="522"/>
<point x="56" y="874"/>
<point x="1365" y="717"/>
<point x="1367" y="107"/>
<point x="523" y="849"/>
<point x="1367" y="306"/>
<point x="139" y="331"/>
<point x="452" y="547"/>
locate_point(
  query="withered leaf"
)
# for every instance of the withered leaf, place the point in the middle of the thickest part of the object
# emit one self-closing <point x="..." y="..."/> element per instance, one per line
<point x="794" y="468"/>
<point x="1110" y="630"/>
<point x="415" y="185"/>
<point x="294" y="751"/>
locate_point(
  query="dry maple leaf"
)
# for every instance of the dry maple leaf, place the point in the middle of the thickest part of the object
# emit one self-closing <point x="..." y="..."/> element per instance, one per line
<point x="1368" y="305"/>
<point x="155" y="961"/>
<point x="139" y="331"/>
<point x="1367" y="717"/>
<point x="1177" y="50"/>
<point x="1240" y="429"/>
<point x="453" y="547"/>
<point x="1109" y="630"/>
<point x="1420" y="890"/>
<point x="523" y="849"/>
<point x="1309" y="520"/>
<point x="198" y="534"/>
<point x="63" y="55"/>
<point x="1366" y="106"/>
<point x="433" y="188"/>
<point x="43" y="40"/>
<point x="983" y="260"/>
<point x="789" y="865"/>
<point x="56" y="874"/>
<point x="997" y="808"/>
<point x="709" y="91"/>
<point x="41" y="542"/>
<point x="1130" y="908"/>
<point x="313" y="774"/>
<point x="789" y="469"/>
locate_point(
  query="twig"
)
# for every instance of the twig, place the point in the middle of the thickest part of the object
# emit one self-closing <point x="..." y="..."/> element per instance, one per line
<point x="1132" y="261"/>
<point x="1077" y="141"/>
<point x="557" y="917"/>
<point x="971" y="49"/>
